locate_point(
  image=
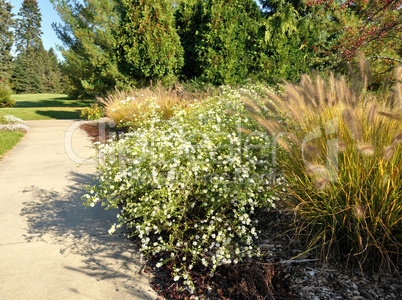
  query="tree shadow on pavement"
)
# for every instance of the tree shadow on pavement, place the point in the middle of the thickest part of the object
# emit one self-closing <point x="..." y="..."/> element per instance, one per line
<point x="61" y="218"/>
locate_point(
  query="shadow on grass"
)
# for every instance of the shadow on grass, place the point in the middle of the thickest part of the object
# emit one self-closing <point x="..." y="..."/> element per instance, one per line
<point x="54" y="102"/>
<point x="61" y="218"/>
<point x="60" y="114"/>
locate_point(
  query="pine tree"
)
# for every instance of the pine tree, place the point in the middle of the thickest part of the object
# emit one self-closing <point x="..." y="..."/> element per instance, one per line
<point x="28" y="66"/>
<point x="6" y="40"/>
<point x="88" y="35"/>
<point x="28" y="33"/>
<point x="147" y="42"/>
<point x="26" y="76"/>
<point x="49" y="71"/>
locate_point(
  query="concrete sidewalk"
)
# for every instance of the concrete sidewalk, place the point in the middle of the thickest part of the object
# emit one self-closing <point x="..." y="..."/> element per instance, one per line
<point x="51" y="247"/>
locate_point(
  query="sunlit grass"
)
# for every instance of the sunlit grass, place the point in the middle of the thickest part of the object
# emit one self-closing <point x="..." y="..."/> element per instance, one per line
<point x="45" y="107"/>
<point x="8" y="139"/>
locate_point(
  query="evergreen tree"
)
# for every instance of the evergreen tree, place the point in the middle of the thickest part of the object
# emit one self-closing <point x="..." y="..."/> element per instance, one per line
<point x="49" y="71"/>
<point x="88" y="36"/>
<point x="6" y="40"/>
<point x="219" y="39"/>
<point x="147" y="42"/>
<point x="28" y="33"/>
<point x="26" y="75"/>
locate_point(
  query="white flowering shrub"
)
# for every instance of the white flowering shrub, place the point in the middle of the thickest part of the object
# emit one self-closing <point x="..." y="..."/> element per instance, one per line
<point x="11" y="123"/>
<point x="188" y="187"/>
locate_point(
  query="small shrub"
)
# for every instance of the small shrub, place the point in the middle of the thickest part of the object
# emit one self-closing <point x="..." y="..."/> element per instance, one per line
<point x="5" y="97"/>
<point x="188" y="187"/>
<point x="342" y="164"/>
<point x="94" y="112"/>
<point x="11" y="123"/>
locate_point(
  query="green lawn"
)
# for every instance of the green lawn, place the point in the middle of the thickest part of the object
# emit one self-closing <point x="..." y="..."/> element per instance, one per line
<point x="39" y="107"/>
<point x="45" y="107"/>
<point x="8" y="139"/>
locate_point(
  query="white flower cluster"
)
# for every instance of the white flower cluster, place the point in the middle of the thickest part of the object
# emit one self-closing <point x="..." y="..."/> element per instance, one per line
<point x="11" y="123"/>
<point x="190" y="186"/>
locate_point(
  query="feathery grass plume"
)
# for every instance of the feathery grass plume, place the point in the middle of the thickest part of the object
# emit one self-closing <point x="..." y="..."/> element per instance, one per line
<point x="270" y="126"/>
<point x="320" y="90"/>
<point x="127" y="107"/>
<point x="308" y="90"/>
<point x="389" y="152"/>
<point x="246" y="131"/>
<point x="293" y="138"/>
<point x="251" y="106"/>
<point x="293" y="94"/>
<point x="353" y="124"/>
<point x="331" y="91"/>
<point x="371" y="114"/>
<point x="318" y="170"/>
<point x="231" y="112"/>
<point x="311" y="153"/>
<point x="360" y="211"/>
<point x="321" y="183"/>
<point x="282" y="143"/>
<point x="365" y="149"/>
<point x="397" y="139"/>
<point x="341" y="146"/>
<point x="397" y="117"/>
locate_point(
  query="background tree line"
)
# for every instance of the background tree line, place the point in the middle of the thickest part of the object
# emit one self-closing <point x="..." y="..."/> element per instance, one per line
<point x="110" y="44"/>
<point x="32" y="69"/>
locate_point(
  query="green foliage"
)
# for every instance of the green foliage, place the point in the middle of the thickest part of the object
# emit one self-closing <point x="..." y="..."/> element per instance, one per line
<point x="342" y="167"/>
<point x="147" y="43"/>
<point x="219" y="39"/>
<point x="26" y="77"/>
<point x="189" y="186"/>
<point x="28" y="31"/>
<point x="6" y="39"/>
<point x="94" y="112"/>
<point x="88" y="35"/>
<point x="50" y="72"/>
<point x="5" y="97"/>
<point x="294" y="40"/>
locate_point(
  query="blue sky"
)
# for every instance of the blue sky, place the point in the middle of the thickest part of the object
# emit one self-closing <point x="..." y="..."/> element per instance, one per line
<point x="49" y="16"/>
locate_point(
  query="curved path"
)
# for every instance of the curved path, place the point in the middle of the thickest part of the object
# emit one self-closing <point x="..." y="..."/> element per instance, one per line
<point x="51" y="247"/>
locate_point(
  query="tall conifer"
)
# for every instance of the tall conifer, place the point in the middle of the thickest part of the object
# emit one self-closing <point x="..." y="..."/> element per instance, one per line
<point x="6" y="40"/>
